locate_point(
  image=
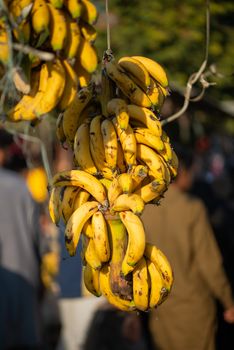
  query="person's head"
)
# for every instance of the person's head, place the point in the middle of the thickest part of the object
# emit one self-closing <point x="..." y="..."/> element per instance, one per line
<point x="6" y="140"/>
<point x="184" y="179"/>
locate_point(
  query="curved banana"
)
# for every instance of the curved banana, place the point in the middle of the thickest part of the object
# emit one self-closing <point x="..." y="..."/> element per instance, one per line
<point x="126" y="182"/>
<point x="110" y="143"/>
<point x="131" y="202"/>
<point x="58" y="28"/>
<point x="114" y="191"/>
<point x="160" y="260"/>
<point x="4" y="42"/>
<point x="82" y="151"/>
<point x="81" y="198"/>
<point x="119" y="303"/>
<point x="118" y="107"/>
<point x="100" y="236"/>
<point x="88" y="31"/>
<point x="70" y="89"/>
<point x="90" y="254"/>
<point x="75" y="224"/>
<point x="40" y="16"/>
<point x="126" y="85"/>
<point x="72" y="114"/>
<point x="87" y="56"/>
<point x="73" y="38"/>
<point x="138" y="173"/>
<point x="151" y="159"/>
<point x="146" y="117"/>
<point x="84" y="180"/>
<point x="128" y="142"/>
<point x="89" y="12"/>
<point x="152" y="191"/>
<point x="157" y="289"/>
<point x="154" y="69"/>
<point x="146" y="137"/>
<point x="137" y="71"/>
<point x="54" y="204"/>
<point x="136" y="240"/>
<point x="140" y="285"/>
<point x="74" y="7"/>
<point x="67" y="199"/>
<point x="91" y="280"/>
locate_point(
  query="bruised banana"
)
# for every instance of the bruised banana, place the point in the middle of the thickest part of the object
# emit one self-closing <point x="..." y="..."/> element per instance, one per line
<point x="118" y="107"/>
<point x="138" y="173"/>
<point x="100" y="237"/>
<point x="131" y="202"/>
<point x="157" y="289"/>
<point x="67" y="199"/>
<point x="75" y="224"/>
<point x="146" y="117"/>
<point x="110" y="143"/>
<point x="152" y="191"/>
<point x="114" y="191"/>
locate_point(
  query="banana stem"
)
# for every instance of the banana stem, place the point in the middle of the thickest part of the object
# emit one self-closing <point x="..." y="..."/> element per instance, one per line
<point x="120" y="285"/>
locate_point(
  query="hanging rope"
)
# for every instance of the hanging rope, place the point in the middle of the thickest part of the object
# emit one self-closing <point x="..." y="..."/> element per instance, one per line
<point x="108" y="27"/>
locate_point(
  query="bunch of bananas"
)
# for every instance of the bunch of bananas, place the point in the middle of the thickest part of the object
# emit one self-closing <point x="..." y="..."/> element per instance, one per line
<point x="122" y="160"/>
<point x="62" y="27"/>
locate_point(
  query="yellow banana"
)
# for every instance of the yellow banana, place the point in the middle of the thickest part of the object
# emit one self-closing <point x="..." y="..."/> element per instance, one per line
<point x="87" y="55"/>
<point x="88" y="31"/>
<point x="110" y="143"/>
<point x="58" y="28"/>
<point x="157" y="289"/>
<point x="82" y="151"/>
<point x="151" y="159"/>
<point x="118" y="107"/>
<point x="40" y="16"/>
<point x="90" y="254"/>
<point x="87" y="229"/>
<point x="155" y="95"/>
<point x="91" y="280"/>
<point x="4" y="43"/>
<point x="114" y="191"/>
<point x="160" y="260"/>
<point x="173" y="164"/>
<point x="89" y="12"/>
<point x="56" y="3"/>
<point x="84" y="180"/>
<point x="73" y="38"/>
<point x="167" y="152"/>
<point x="122" y="304"/>
<point x="140" y="286"/>
<point x="54" y="204"/>
<point x="128" y="142"/>
<point x="81" y="198"/>
<point x="152" y="191"/>
<point x="70" y="89"/>
<point x="126" y="85"/>
<point x="146" y="137"/>
<point x="136" y="240"/>
<point x="136" y="70"/>
<point x="67" y="199"/>
<point x="84" y="77"/>
<point x="154" y="69"/>
<point x="100" y="236"/>
<point x="73" y="112"/>
<point x="138" y="173"/>
<point x="74" y="7"/>
<point x="75" y="224"/>
<point x="146" y="117"/>
<point x="126" y="182"/>
<point x="131" y="202"/>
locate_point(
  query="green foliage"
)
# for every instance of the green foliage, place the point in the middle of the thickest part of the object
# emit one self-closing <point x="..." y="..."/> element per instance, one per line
<point x="173" y="33"/>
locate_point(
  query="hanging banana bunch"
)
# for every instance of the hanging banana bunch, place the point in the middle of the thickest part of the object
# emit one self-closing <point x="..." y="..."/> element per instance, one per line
<point x="122" y="160"/>
<point x="64" y="28"/>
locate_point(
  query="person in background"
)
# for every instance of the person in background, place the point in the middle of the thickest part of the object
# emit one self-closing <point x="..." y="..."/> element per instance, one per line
<point x="20" y="294"/>
<point x="181" y="229"/>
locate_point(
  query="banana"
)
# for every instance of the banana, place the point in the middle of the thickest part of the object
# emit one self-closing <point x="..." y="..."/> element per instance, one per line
<point x="74" y="7"/>
<point x="58" y="28"/>
<point x="81" y="198"/>
<point x="72" y="114"/>
<point x="154" y="69"/>
<point x="4" y="43"/>
<point x="91" y="280"/>
<point x="152" y="160"/>
<point x="126" y="182"/>
<point x="89" y="12"/>
<point x="155" y="255"/>
<point x="40" y="16"/>
<point x="73" y="38"/>
<point x="152" y="191"/>
<point x="146" y="117"/>
<point x="167" y="152"/>
<point x="59" y="129"/>
<point x="128" y="142"/>
<point x="155" y="95"/>
<point x="75" y="224"/>
<point x="118" y="107"/>
<point x="110" y="143"/>
<point x="141" y="288"/>
<point x="100" y="236"/>
<point x="82" y="151"/>
<point x="97" y="147"/>
<point x="137" y="71"/>
<point x="173" y="164"/>
<point x="87" y="229"/>
<point x="84" y="180"/>
<point x="106" y="183"/>
<point x="87" y="55"/>
<point x="157" y="289"/>
<point x="120" y="159"/>
<point x="88" y="32"/>
<point x="119" y="303"/>
<point x="67" y="199"/>
<point x="114" y="191"/>
<point x="126" y="85"/>
<point x="90" y="254"/>
<point x="70" y="89"/>
<point x="131" y="202"/>
<point x="54" y="204"/>
<point x="138" y="173"/>
<point x="136" y="240"/>
<point x="146" y="137"/>
<point x="57" y="4"/>
<point x="107" y="91"/>
<point x="84" y="77"/>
